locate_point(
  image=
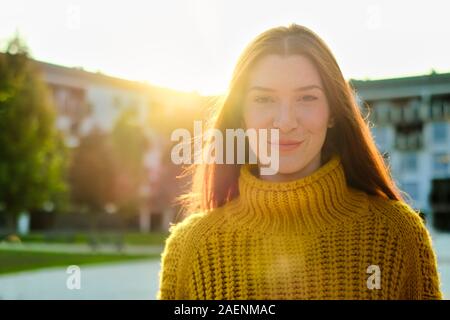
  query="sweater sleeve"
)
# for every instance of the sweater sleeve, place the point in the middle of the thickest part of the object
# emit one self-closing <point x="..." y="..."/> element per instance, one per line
<point x="422" y="275"/>
<point x="174" y="274"/>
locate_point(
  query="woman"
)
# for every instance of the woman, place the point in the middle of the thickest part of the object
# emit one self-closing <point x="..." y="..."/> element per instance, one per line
<point x="330" y="224"/>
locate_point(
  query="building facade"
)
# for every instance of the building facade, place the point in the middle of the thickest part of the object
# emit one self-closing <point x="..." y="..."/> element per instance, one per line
<point x="410" y="121"/>
<point x="86" y="99"/>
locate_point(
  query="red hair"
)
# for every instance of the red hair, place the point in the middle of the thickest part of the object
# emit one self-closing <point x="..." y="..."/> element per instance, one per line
<point x="215" y="184"/>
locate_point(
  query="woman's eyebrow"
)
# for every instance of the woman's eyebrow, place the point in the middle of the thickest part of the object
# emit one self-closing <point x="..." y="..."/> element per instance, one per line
<point x="312" y="86"/>
<point x="304" y="88"/>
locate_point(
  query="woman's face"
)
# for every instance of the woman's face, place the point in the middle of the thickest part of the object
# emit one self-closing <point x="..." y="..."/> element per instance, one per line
<point x="286" y="93"/>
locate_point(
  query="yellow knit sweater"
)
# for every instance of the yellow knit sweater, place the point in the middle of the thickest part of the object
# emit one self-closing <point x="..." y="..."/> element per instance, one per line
<point x="312" y="238"/>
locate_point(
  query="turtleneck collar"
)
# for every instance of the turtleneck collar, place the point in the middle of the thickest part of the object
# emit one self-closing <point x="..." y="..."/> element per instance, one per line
<point x="307" y="204"/>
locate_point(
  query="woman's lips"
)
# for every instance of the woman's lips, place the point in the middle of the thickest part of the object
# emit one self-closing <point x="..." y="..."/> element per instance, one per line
<point x="287" y="145"/>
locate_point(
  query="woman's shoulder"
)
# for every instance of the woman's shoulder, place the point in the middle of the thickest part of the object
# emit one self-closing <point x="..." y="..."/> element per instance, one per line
<point x="180" y="248"/>
<point x="181" y="230"/>
<point x="193" y="228"/>
<point x="397" y="215"/>
<point x="185" y="224"/>
<point x="399" y="221"/>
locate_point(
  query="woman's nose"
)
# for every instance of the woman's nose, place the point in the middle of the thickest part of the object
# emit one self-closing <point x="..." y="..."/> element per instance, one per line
<point x="285" y="119"/>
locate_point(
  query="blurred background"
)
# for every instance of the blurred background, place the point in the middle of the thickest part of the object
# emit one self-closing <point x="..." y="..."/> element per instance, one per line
<point x="91" y="91"/>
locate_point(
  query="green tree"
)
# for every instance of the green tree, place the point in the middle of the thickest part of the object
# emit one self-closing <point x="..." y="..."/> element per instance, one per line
<point x="107" y="169"/>
<point x="129" y="145"/>
<point x="92" y="175"/>
<point x="32" y="154"/>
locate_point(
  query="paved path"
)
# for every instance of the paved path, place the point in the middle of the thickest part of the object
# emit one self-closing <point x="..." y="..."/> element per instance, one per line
<point x="130" y="280"/>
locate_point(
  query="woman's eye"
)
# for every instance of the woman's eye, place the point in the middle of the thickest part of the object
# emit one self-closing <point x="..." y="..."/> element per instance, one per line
<point x="263" y="99"/>
<point x="308" y="98"/>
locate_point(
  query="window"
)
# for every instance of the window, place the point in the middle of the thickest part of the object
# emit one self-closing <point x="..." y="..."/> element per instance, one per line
<point x="437" y="108"/>
<point x="382" y="112"/>
<point x="409" y="162"/>
<point x="440" y="130"/>
<point x="441" y="163"/>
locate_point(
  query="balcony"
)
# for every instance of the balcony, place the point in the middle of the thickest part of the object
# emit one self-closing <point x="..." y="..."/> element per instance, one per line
<point x="408" y="142"/>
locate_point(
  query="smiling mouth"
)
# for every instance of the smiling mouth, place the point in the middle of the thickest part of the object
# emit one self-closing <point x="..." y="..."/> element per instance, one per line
<point x="287" y="145"/>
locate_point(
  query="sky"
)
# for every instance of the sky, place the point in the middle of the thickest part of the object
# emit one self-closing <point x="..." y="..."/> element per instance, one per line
<point x="193" y="45"/>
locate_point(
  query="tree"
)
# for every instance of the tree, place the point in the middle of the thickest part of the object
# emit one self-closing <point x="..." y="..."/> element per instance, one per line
<point x="92" y="174"/>
<point x="130" y="145"/>
<point x="107" y="169"/>
<point x="32" y="153"/>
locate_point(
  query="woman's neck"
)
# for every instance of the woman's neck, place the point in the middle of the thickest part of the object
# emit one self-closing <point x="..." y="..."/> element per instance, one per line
<point x="307" y="170"/>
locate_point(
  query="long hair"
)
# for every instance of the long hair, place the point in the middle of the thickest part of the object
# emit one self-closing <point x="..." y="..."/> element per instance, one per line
<point x="213" y="185"/>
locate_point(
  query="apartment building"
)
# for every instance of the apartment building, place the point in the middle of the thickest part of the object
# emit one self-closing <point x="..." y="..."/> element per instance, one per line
<point x="410" y="121"/>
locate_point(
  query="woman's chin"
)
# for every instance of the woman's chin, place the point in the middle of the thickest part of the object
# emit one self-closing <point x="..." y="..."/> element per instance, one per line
<point x="290" y="167"/>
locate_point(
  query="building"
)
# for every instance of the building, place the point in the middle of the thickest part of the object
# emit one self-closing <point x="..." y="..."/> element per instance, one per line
<point x="410" y="121"/>
<point x="85" y="99"/>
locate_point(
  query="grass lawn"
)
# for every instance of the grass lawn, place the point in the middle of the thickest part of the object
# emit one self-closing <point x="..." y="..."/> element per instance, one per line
<point x="129" y="238"/>
<point x="15" y="261"/>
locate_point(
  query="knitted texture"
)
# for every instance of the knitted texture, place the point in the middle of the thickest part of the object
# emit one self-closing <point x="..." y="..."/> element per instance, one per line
<point x="312" y="238"/>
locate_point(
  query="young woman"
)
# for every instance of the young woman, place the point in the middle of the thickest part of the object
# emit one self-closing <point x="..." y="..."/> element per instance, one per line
<point x="331" y="224"/>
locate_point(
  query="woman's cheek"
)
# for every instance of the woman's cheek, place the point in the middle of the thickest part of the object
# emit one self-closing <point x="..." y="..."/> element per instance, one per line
<point x="315" y="120"/>
<point x="258" y="119"/>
